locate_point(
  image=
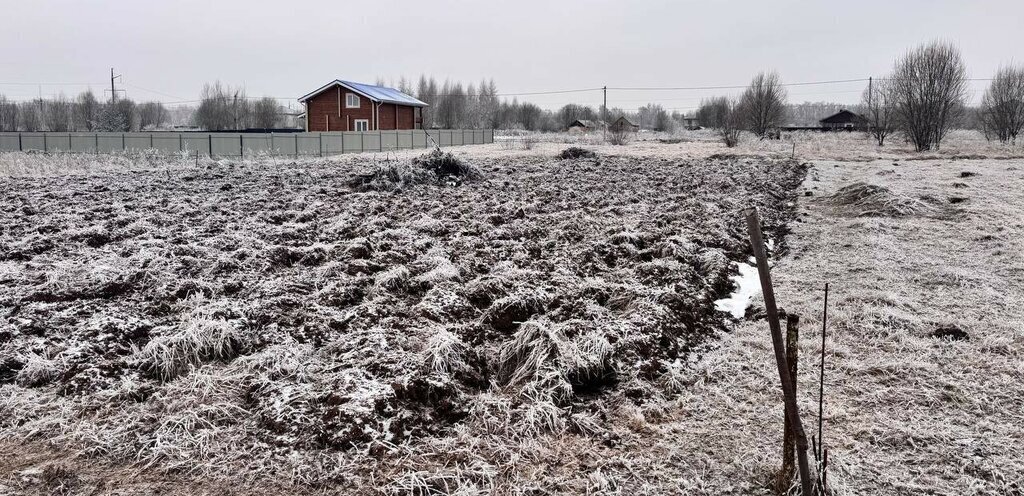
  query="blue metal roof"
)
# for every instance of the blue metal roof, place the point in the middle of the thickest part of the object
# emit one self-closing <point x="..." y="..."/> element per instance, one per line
<point x="375" y="93"/>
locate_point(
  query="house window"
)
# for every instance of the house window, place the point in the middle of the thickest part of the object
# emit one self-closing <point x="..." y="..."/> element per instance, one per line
<point x="351" y="100"/>
<point x="362" y="124"/>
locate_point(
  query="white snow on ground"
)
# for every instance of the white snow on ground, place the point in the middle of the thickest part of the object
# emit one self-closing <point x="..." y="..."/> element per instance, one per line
<point x="747" y="286"/>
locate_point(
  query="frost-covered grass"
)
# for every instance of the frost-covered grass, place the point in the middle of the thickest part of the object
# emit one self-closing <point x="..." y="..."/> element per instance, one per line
<point x="265" y="327"/>
<point x="270" y="319"/>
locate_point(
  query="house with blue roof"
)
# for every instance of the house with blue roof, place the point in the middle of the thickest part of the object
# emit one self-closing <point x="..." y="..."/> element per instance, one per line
<point x="349" y="106"/>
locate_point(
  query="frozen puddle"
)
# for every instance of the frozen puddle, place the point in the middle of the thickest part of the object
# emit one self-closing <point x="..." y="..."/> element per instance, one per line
<point x="747" y="286"/>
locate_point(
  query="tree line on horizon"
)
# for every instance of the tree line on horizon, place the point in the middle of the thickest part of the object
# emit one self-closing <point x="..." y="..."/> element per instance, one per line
<point x="82" y="113"/>
<point x="923" y="98"/>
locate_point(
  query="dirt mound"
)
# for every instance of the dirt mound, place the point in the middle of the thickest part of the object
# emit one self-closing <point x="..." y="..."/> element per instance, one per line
<point x="575" y="152"/>
<point x="869" y="200"/>
<point x="436" y="167"/>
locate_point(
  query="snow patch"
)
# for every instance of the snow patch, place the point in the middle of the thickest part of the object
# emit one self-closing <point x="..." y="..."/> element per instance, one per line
<point x="747" y="286"/>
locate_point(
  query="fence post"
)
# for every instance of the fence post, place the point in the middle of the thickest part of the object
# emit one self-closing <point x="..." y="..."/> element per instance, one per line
<point x="181" y="144"/>
<point x="362" y="146"/>
<point x="150" y="141"/>
<point x="380" y="140"/>
<point x="296" y="145"/>
<point x="96" y="138"/>
<point x="209" y="143"/>
<point x="20" y="147"/>
<point x="123" y="145"/>
<point x="320" y="143"/>
<point x="45" y="150"/>
<point x="241" y="146"/>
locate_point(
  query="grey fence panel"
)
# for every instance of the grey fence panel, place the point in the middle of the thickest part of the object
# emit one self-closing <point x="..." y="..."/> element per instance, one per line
<point x="57" y="142"/>
<point x="435" y="135"/>
<point x="226" y="144"/>
<point x="353" y="141"/>
<point x="196" y="143"/>
<point x="33" y="141"/>
<point x="243" y="144"/>
<point x="167" y="143"/>
<point x="284" y="144"/>
<point x="333" y="143"/>
<point x="110" y="143"/>
<point x="419" y="139"/>
<point x="137" y="141"/>
<point x="83" y="142"/>
<point x="371" y="141"/>
<point x="256" y="143"/>
<point x="404" y="139"/>
<point x="308" y="143"/>
<point x="10" y="142"/>
<point x="389" y="140"/>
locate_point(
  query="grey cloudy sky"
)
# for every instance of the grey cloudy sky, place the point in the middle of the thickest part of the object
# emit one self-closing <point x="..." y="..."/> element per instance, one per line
<point x="166" y="50"/>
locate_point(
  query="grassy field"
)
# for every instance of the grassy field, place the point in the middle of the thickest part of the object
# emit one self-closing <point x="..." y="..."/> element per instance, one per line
<point x="188" y="329"/>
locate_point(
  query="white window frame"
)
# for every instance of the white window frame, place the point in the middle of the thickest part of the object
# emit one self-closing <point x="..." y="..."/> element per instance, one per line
<point x="350" y="98"/>
<point x="365" y="124"/>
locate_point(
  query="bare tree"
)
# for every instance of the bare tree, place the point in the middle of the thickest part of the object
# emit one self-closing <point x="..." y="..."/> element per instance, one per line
<point x="57" y="114"/>
<point x="1002" y="107"/>
<point x="877" y="108"/>
<point x="87" y="111"/>
<point x="265" y="113"/>
<point x="8" y="114"/>
<point x="530" y="116"/>
<point x="223" y="108"/>
<point x="731" y="121"/>
<point x="763" y="104"/>
<point x="928" y="90"/>
<point x="451" y="106"/>
<point x="30" y="116"/>
<point x="713" y="111"/>
<point x="152" y="115"/>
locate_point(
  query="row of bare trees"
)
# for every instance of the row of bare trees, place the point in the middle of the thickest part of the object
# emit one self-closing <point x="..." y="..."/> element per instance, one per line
<point x="926" y="96"/>
<point x="760" y="109"/>
<point x="923" y="98"/>
<point x="226" y="108"/>
<point x="83" y="113"/>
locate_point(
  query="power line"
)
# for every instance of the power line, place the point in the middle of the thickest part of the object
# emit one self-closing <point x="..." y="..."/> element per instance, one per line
<point x="731" y="87"/>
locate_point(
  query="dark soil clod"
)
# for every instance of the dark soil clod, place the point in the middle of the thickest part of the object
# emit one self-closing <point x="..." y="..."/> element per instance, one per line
<point x="951" y="333"/>
<point x="575" y="152"/>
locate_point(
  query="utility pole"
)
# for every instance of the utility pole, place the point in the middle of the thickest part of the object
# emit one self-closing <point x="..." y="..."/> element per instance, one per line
<point x="870" y="93"/>
<point x="604" y="114"/>
<point x="113" y="90"/>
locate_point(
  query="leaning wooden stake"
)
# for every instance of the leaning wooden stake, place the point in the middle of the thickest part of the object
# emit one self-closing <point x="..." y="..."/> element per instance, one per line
<point x="788" y="389"/>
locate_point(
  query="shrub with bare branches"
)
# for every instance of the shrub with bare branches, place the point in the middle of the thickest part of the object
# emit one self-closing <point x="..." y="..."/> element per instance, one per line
<point x="929" y="87"/>
<point x="763" y="104"/>
<point x="1002" y="107"/>
<point x="877" y="108"/>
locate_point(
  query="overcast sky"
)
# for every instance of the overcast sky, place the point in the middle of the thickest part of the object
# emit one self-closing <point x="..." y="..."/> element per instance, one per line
<point x="166" y="50"/>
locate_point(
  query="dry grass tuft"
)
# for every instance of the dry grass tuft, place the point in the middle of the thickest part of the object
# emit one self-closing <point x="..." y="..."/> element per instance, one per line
<point x="195" y="342"/>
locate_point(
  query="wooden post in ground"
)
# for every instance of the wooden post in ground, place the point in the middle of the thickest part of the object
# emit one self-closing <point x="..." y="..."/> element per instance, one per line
<point x="789" y="437"/>
<point x="788" y="389"/>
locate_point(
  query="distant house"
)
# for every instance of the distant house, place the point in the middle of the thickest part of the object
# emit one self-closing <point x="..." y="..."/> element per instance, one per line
<point x="844" y="120"/>
<point x="349" y="106"/>
<point x="624" y="124"/>
<point x="583" y="126"/>
<point x="690" y="123"/>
